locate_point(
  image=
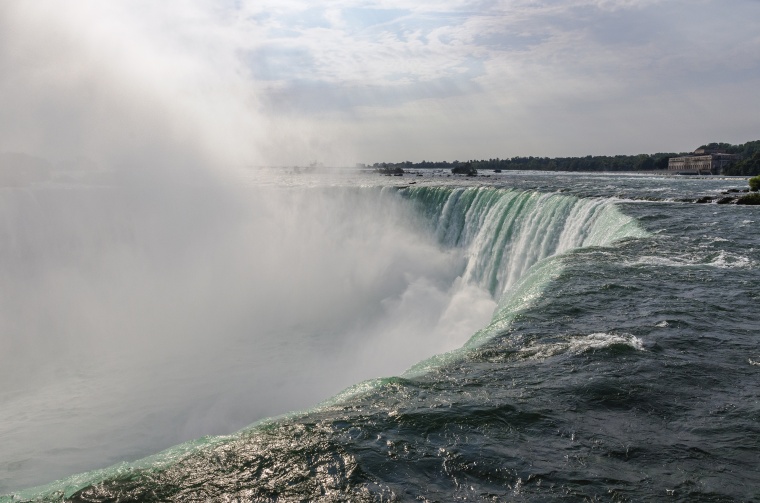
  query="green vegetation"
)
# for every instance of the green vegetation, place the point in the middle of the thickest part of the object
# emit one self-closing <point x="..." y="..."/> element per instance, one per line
<point x="753" y="198"/>
<point x="748" y="165"/>
<point x="642" y="162"/>
<point x="749" y="153"/>
<point x="754" y="183"/>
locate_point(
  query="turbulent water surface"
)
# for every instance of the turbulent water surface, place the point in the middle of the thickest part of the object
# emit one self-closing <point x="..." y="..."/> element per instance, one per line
<point x="553" y="337"/>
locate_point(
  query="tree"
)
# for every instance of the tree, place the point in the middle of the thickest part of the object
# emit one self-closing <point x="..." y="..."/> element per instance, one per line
<point x="754" y="183"/>
<point x="748" y="166"/>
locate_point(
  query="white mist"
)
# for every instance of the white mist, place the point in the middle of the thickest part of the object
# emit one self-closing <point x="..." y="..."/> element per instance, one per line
<point x="130" y="324"/>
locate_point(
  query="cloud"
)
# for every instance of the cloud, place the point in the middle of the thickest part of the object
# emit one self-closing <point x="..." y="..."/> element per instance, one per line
<point x="271" y="82"/>
<point x="526" y="60"/>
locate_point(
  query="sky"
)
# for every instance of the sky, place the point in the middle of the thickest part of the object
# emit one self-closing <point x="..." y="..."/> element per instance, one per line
<point x="284" y="82"/>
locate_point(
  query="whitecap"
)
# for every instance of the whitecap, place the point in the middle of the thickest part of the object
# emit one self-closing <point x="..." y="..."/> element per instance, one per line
<point x="582" y="344"/>
<point x="722" y="260"/>
<point x="727" y="260"/>
<point x="663" y="261"/>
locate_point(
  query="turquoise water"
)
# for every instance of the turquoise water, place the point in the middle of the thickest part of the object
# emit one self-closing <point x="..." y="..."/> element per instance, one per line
<point x="619" y="359"/>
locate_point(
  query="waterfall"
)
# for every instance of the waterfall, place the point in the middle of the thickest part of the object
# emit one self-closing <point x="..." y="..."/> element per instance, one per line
<point x="253" y="306"/>
<point x="505" y="232"/>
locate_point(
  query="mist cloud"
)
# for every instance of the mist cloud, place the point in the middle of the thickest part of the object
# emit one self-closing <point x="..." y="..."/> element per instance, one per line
<point x="126" y="83"/>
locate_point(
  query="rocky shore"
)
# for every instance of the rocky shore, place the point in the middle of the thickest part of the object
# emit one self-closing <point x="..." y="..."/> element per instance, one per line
<point x="730" y="196"/>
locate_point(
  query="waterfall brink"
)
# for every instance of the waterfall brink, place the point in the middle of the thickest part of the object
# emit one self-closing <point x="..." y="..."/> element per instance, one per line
<point x="293" y="294"/>
<point x="508" y="235"/>
<point x="506" y="232"/>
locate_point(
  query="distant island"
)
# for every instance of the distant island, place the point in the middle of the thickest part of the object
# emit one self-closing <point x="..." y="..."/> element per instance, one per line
<point x="747" y="162"/>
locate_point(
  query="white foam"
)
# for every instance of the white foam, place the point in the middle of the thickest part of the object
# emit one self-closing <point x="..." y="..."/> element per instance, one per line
<point x="582" y="344"/>
<point x="726" y="260"/>
<point x="723" y="260"/>
<point x="661" y="261"/>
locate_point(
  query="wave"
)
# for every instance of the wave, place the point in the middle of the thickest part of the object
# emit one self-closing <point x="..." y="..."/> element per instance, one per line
<point x="581" y="344"/>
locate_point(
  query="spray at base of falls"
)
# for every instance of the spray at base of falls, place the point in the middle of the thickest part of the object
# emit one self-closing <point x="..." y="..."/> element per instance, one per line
<point x="511" y="244"/>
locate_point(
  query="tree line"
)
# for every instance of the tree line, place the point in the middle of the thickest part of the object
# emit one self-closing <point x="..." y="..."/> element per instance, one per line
<point x="748" y="165"/>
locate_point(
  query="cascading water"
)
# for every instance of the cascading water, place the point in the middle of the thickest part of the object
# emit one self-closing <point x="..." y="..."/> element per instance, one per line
<point x="507" y="231"/>
<point x="495" y="238"/>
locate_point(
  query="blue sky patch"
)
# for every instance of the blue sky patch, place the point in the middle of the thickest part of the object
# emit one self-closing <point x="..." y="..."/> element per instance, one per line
<point x="359" y="18"/>
<point x="278" y="63"/>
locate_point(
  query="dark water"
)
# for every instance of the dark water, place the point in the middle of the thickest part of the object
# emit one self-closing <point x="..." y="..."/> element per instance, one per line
<point x="628" y="371"/>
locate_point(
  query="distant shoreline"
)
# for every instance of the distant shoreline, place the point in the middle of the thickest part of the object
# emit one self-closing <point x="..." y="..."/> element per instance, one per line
<point x="748" y="164"/>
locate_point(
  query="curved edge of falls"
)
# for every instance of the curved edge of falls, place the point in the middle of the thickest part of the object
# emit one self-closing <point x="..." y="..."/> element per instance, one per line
<point x="513" y="242"/>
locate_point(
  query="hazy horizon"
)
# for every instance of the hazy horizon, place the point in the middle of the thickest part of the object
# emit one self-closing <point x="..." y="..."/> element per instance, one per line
<point x="200" y="83"/>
